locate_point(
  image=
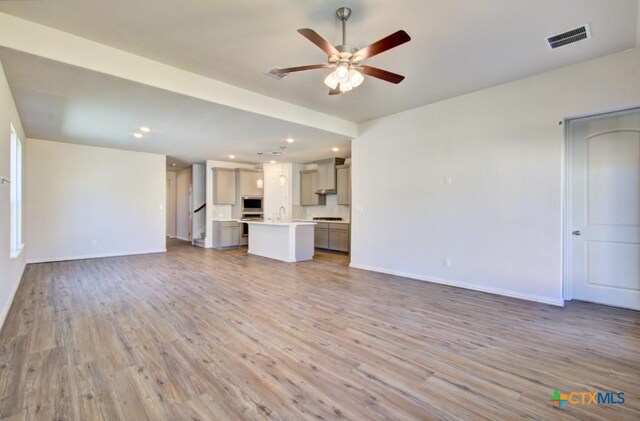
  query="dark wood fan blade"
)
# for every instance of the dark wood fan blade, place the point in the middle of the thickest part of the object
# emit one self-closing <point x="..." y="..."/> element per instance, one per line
<point x="301" y="68"/>
<point x="334" y="91"/>
<point x="313" y="36"/>
<point x="380" y="74"/>
<point x="387" y="43"/>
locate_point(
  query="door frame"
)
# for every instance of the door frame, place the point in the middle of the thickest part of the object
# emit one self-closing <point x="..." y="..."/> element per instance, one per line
<point x="566" y="195"/>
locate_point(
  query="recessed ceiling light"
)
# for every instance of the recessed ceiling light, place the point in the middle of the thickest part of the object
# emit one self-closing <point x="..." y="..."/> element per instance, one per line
<point x="145" y="129"/>
<point x="335" y="149"/>
<point x="137" y="135"/>
<point x="173" y="164"/>
<point x="290" y="140"/>
<point x="232" y="157"/>
<point x="272" y="161"/>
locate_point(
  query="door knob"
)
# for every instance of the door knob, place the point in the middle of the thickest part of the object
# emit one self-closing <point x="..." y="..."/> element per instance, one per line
<point x="576" y="232"/>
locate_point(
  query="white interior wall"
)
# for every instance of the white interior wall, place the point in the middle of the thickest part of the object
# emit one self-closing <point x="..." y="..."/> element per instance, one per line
<point x="10" y="269"/>
<point x="172" y="208"/>
<point x="86" y="201"/>
<point x="297" y="211"/>
<point x="275" y="194"/>
<point x="183" y="221"/>
<point x="198" y="198"/>
<point x="500" y="219"/>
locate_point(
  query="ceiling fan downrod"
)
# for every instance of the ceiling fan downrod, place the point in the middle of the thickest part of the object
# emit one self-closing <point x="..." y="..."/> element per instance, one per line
<point x="344" y="13"/>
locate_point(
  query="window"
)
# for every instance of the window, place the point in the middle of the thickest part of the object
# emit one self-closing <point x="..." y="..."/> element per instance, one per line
<point x="16" y="194"/>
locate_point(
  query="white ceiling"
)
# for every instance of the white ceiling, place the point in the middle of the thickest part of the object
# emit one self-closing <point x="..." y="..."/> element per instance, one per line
<point x="60" y="102"/>
<point x="458" y="46"/>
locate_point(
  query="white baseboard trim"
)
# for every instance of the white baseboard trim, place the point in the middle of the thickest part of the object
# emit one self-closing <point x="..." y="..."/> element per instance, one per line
<point x="498" y="291"/>
<point x="94" y="256"/>
<point x="5" y="310"/>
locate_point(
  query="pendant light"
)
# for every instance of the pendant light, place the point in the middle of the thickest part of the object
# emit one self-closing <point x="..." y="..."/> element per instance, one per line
<point x="282" y="178"/>
<point x="260" y="183"/>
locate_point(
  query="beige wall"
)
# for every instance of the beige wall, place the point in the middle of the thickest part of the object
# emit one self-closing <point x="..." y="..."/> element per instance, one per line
<point x="10" y="269"/>
<point x="500" y="219"/>
<point x="86" y="201"/>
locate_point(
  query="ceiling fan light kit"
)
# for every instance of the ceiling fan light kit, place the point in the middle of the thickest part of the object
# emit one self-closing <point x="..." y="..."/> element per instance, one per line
<point x="346" y="59"/>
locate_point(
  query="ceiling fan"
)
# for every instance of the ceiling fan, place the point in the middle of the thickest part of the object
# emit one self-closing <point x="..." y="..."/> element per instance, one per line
<point x="347" y="59"/>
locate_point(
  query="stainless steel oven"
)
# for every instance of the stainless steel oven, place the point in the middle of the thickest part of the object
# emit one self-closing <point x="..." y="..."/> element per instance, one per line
<point x="250" y="217"/>
<point x="252" y="204"/>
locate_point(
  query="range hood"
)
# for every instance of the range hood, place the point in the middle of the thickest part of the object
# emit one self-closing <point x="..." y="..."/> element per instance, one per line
<point x="327" y="175"/>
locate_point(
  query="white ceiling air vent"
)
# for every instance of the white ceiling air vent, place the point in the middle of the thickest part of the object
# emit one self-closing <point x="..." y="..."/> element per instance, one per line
<point x="273" y="72"/>
<point x="569" y="37"/>
<point x="279" y="152"/>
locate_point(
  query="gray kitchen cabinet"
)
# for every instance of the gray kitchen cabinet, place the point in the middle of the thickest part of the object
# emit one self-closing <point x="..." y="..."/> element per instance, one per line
<point x="226" y="234"/>
<point x="343" y="186"/>
<point x="332" y="236"/>
<point x="321" y="235"/>
<point x="224" y="186"/>
<point x="247" y="182"/>
<point x="327" y="174"/>
<point x="308" y="187"/>
<point x="339" y="237"/>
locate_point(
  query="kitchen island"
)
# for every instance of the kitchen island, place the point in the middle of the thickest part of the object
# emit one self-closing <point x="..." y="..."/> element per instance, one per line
<point x="285" y="241"/>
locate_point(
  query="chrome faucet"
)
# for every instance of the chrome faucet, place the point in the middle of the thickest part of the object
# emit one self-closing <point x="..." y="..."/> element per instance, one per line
<point x="281" y="211"/>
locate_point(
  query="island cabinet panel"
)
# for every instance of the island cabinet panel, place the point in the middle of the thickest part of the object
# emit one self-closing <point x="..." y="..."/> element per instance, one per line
<point x="224" y="186"/>
<point x="308" y="187"/>
<point x="284" y="241"/>
<point x="343" y="185"/>
<point x="321" y="239"/>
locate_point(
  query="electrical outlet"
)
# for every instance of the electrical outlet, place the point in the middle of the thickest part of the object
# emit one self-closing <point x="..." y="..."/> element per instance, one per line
<point x="94" y="242"/>
<point x="446" y="263"/>
<point x="448" y="181"/>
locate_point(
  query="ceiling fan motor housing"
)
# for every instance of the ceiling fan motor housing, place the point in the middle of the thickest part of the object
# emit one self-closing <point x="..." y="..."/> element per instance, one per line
<point x="346" y="59"/>
<point x="343" y="13"/>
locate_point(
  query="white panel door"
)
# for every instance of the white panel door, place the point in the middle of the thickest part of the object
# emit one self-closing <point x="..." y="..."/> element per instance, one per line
<point x="605" y="209"/>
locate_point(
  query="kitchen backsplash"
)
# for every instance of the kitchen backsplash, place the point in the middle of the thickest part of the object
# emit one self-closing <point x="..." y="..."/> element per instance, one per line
<point x="330" y="209"/>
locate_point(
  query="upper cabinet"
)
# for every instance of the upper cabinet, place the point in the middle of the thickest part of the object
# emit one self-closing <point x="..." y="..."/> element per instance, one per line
<point x="327" y="175"/>
<point x="308" y="187"/>
<point x="343" y="184"/>
<point x="247" y="182"/>
<point x="224" y="186"/>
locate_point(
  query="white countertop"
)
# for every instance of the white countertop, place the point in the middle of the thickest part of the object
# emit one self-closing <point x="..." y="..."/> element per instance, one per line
<point x="321" y="222"/>
<point x="292" y="223"/>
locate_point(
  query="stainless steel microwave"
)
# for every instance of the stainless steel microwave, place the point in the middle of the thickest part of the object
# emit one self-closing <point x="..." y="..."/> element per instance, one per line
<point x="252" y="204"/>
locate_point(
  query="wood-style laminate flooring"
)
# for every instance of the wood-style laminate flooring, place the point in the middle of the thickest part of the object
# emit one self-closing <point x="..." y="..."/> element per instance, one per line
<point x="198" y="334"/>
